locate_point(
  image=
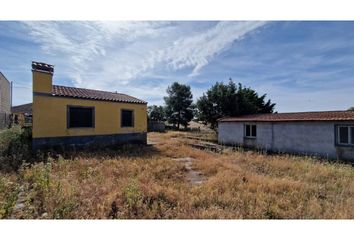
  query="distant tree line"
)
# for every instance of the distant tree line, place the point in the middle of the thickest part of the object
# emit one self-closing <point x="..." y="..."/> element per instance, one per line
<point x="219" y="101"/>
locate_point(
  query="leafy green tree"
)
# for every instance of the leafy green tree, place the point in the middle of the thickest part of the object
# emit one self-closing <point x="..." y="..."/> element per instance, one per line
<point x="223" y="100"/>
<point x="156" y="113"/>
<point x="351" y="109"/>
<point x="179" y="107"/>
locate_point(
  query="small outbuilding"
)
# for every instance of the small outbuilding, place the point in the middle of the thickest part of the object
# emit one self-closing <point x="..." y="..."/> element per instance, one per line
<point x="65" y="115"/>
<point x="327" y="134"/>
<point x="22" y="115"/>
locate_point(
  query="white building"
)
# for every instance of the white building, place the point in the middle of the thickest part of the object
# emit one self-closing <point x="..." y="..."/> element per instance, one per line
<point x="327" y="134"/>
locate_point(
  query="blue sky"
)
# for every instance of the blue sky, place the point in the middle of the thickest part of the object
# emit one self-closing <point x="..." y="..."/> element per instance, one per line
<point x="301" y="66"/>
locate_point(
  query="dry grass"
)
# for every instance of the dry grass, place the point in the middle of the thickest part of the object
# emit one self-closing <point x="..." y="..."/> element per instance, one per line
<point x="146" y="182"/>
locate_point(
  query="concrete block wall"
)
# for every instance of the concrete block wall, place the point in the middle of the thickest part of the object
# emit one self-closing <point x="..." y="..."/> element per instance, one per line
<point x="4" y="120"/>
<point x="309" y="138"/>
<point x="313" y="138"/>
<point x="230" y="133"/>
<point x="5" y="95"/>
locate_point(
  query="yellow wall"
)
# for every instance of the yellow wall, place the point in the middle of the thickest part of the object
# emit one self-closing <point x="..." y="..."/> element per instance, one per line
<point x="42" y="82"/>
<point x="49" y="117"/>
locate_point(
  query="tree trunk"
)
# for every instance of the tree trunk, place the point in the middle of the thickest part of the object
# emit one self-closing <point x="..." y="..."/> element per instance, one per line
<point x="179" y="119"/>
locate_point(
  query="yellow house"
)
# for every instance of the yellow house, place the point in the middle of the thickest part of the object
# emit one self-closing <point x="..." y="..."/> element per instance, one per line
<point x="77" y="116"/>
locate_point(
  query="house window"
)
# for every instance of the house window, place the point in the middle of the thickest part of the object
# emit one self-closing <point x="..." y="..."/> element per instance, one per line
<point x="127" y="118"/>
<point x="345" y="135"/>
<point x="81" y="117"/>
<point x="251" y="130"/>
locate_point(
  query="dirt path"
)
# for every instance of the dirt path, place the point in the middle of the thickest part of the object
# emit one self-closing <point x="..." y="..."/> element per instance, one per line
<point x="20" y="204"/>
<point x="193" y="176"/>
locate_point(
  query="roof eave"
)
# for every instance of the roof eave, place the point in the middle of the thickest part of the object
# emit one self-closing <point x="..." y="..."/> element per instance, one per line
<point x="95" y="99"/>
<point x="290" y="120"/>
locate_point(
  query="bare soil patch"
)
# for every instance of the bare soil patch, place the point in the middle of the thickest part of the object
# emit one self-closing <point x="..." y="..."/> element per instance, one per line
<point x="193" y="176"/>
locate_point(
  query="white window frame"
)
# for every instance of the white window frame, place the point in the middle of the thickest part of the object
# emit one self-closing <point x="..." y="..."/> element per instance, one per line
<point x="350" y="140"/>
<point x="251" y="133"/>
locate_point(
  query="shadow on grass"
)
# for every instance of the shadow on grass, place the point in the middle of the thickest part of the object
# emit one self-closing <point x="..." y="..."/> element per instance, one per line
<point x="106" y="152"/>
<point x="16" y="150"/>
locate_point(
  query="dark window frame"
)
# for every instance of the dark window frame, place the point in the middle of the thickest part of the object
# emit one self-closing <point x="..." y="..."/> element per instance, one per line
<point x="251" y="135"/>
<point x="76" y="106"/>
<point x="337" y="137"/>
<point x="121" y="118"/>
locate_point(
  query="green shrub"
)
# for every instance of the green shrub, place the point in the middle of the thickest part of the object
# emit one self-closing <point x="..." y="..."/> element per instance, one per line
<point x="8" y="196"/>
<point x="7" y="136"/>
<point x="15" y="147"/>
<point x="132" y="197"/>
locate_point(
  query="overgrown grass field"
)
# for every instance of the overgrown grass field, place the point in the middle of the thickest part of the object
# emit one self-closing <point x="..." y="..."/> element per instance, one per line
<point x="148" y="182"/>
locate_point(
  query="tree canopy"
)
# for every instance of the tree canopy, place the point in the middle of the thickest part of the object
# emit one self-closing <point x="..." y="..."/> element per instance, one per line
<point x="179" y="107"/>
<point x="351" y="109"/>
<point x="223" y="100"/>
<point x="156" y="113"/>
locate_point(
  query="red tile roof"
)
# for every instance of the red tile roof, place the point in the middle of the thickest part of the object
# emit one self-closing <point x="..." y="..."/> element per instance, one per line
<point x="73" y="92"/>
<point x="295" y="116"/>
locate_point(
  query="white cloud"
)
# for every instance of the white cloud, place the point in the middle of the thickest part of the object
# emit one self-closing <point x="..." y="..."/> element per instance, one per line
<point x="300" y="65"/>
<point x="196" y="51"/>
<point x="117" y="55"/>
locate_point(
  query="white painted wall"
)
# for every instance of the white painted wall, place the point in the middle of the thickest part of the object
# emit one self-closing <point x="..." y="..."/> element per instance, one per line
<point x="315" y="138"/>
<point x="230" y="133"/>
<point x="311" y="138"/>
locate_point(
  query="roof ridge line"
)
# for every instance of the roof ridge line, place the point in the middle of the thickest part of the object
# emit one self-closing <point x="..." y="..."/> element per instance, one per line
<point x="329" y="111"/>
<point x="89" y="89"/>
<point x="310" y="112"/>
<point x="87" y="93"/>
<point x="294" y="116"/>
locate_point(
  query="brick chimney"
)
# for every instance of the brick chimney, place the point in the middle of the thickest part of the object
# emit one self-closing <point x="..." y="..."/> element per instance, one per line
<point x="42" y="77"/>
